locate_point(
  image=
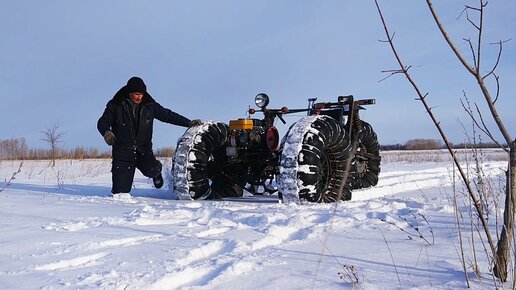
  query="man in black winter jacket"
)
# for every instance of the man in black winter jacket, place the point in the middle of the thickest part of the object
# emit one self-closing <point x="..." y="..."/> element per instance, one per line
<point x="126" y="124"/>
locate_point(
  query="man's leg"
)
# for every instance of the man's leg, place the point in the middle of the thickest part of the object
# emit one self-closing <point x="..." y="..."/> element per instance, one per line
<point x="123" y="174"/>
<point x="150" y="167"/>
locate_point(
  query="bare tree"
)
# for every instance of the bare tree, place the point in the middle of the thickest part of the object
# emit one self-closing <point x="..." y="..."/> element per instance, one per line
<point x="53" y="136"/>
<point x="500" y="252"/>
<point x="12" y="149"/>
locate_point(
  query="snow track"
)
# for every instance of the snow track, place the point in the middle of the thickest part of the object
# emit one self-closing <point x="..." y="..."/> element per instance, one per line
<point x="90" y="260"/>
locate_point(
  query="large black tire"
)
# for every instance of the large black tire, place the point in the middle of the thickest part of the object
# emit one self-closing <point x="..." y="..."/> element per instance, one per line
<point x="197" y="164"/>
<point x="315" y="151"/>
<point x="366" y="163"/>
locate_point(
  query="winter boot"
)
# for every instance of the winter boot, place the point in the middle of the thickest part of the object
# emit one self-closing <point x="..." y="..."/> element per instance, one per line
<point x="123" y="196"/>
<point x="158" y="181"/>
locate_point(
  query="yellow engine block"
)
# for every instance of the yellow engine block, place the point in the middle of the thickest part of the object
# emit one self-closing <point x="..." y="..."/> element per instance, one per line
<point x="241" y="124"/>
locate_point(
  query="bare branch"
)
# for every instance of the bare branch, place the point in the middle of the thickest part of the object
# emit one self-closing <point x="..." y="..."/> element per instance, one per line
<point x="469" y="19"/>
<point x="13" y="177"/>
<point x="480" y="30"/>
<point x="391" y="73"/>
<point x="468" y="40"/>
<point x="416" y="234"/>
<point x="486" y="130"/>
<point x="503" y="248"/>
<point x="497" y="79"/>
<point x="478" y="27"/>
<point x="471" y="7"/>
<point x="500" y="47"/>
<point x="482" y="128"/>
<point x="475" y="73"/>
<point x="389" y="38"/>
<point x="463" y="175"/>
<point x="448" y="39"/>
<point x="463" y="11"/>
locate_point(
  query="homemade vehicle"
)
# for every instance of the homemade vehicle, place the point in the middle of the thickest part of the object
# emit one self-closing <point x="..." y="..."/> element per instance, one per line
<point x="322" y="157"/>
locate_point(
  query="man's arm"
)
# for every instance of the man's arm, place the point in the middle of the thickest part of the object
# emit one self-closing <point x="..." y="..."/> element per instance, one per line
<point x="105" y="121"/>
<point x="168" y="116"/>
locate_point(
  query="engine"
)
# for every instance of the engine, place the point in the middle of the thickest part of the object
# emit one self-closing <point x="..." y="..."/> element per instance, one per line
<point x="249" y="138"/>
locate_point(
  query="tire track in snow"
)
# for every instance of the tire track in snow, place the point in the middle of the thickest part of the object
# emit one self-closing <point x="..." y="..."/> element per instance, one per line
<point x="205" y="252"/>
<point x="100" y="245"/>
<point x="145" y="216"/>
<point x="198" y="267"/>
<point x="276" y="236"/>
<point x="218" y="259"/>
<point x="125" y="242"/>
<point x="83" y="261"/>
<point x="185" y="277"/>
<point x="214" y="231"/>
<point x="395" y="182"/>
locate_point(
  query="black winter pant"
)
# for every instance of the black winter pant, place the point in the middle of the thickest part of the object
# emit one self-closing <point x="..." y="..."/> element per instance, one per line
<point x="123" y="171"/>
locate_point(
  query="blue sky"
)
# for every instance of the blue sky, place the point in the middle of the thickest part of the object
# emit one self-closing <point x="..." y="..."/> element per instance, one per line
<point x="61" y="61"/>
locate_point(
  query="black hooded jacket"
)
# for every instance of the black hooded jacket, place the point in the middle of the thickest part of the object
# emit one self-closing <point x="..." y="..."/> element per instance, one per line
<point x="118" y="118"/>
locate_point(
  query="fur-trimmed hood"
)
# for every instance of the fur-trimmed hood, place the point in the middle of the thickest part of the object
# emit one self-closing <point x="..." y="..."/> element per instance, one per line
<point x="123" y="94"/>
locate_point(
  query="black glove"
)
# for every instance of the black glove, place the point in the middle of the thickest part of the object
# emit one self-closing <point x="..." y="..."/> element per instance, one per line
<point x="196" y="122"/>
<point x="109" y="137"/>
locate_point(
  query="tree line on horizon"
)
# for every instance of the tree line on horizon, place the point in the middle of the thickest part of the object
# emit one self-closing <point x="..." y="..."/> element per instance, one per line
<point x="434" y="144"/>
<point x="17" y="149"/>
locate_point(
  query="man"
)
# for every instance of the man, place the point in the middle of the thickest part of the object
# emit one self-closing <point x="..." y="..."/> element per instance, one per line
<point x="126" y="124"/>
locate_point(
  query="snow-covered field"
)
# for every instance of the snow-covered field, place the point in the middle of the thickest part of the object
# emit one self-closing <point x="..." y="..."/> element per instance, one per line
<point x="61" y="229"/>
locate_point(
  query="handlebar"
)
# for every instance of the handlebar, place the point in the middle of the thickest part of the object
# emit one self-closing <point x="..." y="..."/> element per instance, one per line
<point x="343" y="101"/>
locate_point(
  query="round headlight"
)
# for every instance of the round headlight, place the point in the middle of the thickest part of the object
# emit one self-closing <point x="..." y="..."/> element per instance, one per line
<point x="261" y="100"/>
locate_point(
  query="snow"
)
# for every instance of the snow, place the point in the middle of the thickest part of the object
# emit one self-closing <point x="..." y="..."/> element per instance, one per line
<point x="61" y="229"/>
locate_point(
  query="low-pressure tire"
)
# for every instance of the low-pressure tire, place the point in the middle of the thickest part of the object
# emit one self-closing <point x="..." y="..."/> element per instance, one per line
<point x="312" y="164"/>
<point x="197" y="171"/>
<point x="365" y="167"/>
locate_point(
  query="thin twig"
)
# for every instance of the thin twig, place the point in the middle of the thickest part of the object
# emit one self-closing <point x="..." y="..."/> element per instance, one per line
<point x="497" y="79"/>
<point x="498" y="57"/>
<point x="468" y="40"/>
<point x="350" y="270"/>
<point x="418" y="233"/>
<point x="459" y="230"/>
<point x="483" y="128"/>
<point x="13" y="177"/>
<point x="392" y="258"/>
